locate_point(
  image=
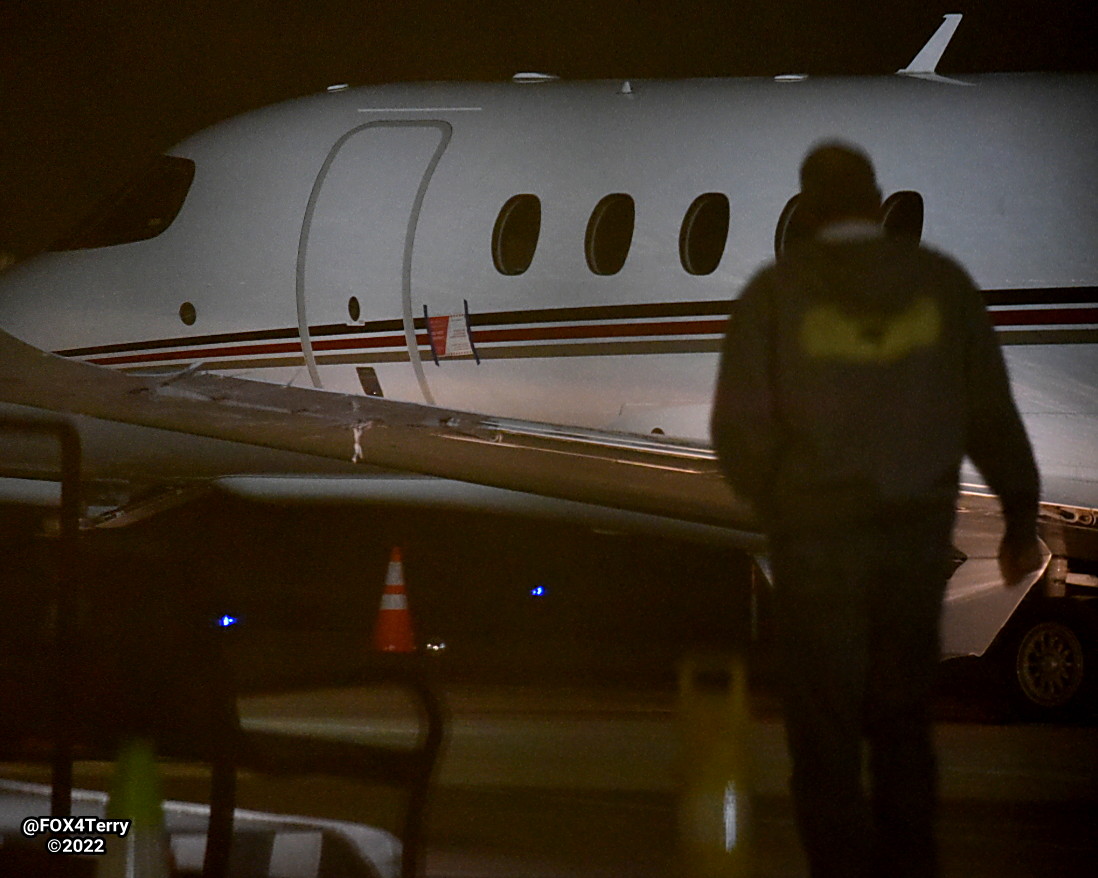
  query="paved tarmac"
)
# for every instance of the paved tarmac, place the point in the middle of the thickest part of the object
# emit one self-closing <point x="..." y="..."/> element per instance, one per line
<point x="554" y="782"/>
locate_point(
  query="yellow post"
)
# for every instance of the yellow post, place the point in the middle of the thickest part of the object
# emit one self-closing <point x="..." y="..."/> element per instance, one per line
<point x="143" y="851"/>
<point x="715" y="820"/>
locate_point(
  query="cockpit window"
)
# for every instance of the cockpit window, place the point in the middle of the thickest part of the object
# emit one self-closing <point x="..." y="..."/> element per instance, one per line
<point x="143" y="210"/>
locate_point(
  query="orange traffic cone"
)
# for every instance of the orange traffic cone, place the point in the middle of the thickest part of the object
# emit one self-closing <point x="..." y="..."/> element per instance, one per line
<point x="393" y="632"/>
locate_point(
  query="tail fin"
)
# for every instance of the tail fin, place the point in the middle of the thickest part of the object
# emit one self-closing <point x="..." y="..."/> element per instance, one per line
<point x="925" y="64"/>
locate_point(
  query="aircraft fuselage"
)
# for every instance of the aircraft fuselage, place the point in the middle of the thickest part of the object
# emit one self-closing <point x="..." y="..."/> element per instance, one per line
<point x="323" y="238"/>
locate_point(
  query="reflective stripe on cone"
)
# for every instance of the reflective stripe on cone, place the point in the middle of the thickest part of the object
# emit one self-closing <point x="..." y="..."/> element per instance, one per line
<point x="393" y="632"/>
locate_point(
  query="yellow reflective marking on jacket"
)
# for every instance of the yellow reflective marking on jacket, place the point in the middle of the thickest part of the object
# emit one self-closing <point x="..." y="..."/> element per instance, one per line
<point x="828" y="333"/>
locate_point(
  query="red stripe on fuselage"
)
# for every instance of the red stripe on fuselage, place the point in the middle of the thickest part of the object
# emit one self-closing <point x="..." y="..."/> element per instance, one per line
<point x="536" y="333"/>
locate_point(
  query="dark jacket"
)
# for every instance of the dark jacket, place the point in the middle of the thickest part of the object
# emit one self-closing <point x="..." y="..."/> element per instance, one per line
<point x="855" y="376"/>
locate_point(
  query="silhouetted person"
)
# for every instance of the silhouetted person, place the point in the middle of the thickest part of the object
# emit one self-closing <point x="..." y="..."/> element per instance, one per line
<point x="857" y="373"/>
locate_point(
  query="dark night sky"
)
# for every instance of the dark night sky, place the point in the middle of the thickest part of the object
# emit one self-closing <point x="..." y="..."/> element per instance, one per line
<point x="88" y="91"/>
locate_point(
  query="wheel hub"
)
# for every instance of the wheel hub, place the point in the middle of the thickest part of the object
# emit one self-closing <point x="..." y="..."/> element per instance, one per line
<point x="1050" y="664"/>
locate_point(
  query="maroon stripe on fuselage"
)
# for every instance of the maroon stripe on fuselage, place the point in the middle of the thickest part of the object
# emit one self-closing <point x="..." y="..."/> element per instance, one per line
<point x="707" y="319"/>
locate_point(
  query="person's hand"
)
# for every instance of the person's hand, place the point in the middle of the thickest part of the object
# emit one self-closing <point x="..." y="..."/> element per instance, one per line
<point x="1019" y="557"/>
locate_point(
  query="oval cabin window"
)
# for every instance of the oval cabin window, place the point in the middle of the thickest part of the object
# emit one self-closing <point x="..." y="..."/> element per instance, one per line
<point x="610" y="234"/>
<point x="902" y="215"/>
<point x="704" y="233"/>
<point x="791" y="227"/>
<point x="515" y="237"/>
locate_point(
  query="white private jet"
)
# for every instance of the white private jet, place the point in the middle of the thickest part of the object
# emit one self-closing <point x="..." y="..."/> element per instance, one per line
<point x="522" y="287"/>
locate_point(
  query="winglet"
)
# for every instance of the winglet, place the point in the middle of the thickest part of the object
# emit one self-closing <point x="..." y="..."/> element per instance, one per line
<point x="926" y="62"/>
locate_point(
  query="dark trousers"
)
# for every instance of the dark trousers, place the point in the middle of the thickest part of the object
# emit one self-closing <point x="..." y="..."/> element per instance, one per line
<point x="857" y="614"/>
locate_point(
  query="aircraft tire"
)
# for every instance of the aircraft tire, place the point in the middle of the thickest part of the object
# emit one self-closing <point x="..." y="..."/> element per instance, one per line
<point x="1049" y="662"/>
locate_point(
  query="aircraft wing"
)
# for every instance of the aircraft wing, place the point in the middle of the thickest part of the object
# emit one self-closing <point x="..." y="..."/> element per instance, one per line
<point x="668" y="478"/>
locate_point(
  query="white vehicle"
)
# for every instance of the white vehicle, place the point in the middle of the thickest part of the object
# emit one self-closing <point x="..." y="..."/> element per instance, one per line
<point x="524" y="285"/>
